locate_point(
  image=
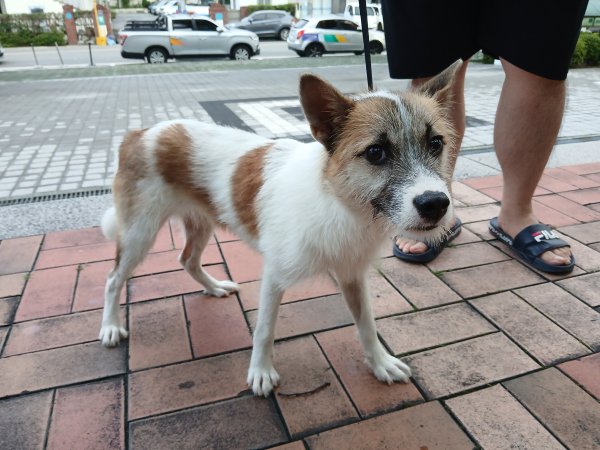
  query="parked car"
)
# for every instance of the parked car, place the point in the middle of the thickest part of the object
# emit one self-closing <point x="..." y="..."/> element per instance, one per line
<point x="267" y="23"/>
<point x="172" y="7"/>
<point x="374" y="17"/>
<point x="331" y="34"/>
<point x="181" y="36"/>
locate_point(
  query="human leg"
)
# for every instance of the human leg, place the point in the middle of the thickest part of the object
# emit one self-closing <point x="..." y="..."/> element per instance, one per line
<point x="528" y="119"/>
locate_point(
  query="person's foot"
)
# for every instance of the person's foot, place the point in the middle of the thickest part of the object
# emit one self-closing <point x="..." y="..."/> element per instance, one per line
<point x="412" y="246"/>
<point x="513" y="225"/>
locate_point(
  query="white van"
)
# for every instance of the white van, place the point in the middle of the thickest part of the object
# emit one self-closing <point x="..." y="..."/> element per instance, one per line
<point x="374" y="18"/>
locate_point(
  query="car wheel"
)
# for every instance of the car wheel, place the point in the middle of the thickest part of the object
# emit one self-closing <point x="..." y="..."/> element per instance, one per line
<point x="301" y="53"/>
<point x="284" y="33"/>
<point x="375" y="47"/>
<point x="156" y="55"/>
<point x="241" y="52"/>
<point x="314" y="50"/>
<point x="358" y="53"/>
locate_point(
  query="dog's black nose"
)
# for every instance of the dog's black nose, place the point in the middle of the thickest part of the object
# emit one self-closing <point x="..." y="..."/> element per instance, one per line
<point x="432" y="205"/>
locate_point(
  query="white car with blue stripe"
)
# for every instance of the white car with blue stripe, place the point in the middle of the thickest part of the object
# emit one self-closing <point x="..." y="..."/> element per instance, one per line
<point x="331" y="34"/>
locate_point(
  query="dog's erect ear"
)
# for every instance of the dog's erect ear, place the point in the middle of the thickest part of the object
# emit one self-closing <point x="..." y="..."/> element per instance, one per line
<point x="325" y="108"/>
<point x="440" y="86"/>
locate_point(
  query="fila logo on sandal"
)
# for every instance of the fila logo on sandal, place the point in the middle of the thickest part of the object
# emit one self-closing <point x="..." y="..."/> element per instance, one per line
<point x="544" y="235"/>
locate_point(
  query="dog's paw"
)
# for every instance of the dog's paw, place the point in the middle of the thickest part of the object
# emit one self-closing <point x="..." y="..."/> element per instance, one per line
<point x="222" y="289"/>
<point x="262" y="380"/>
<point x="388" y="369"/>
<point x="110" y="335"/>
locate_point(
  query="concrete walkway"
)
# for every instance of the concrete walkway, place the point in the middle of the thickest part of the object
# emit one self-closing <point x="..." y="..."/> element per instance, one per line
<point x="502" y="356"/>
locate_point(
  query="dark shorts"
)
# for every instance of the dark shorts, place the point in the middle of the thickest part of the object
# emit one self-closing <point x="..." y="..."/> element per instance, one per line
<point x="423" y="37"/>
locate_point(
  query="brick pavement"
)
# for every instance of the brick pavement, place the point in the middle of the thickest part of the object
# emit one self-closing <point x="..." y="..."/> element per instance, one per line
<point x="502" y="356"/>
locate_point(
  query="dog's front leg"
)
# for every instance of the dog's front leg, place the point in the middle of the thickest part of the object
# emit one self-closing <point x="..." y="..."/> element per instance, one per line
<point x="262" y="376"/>
<point x="386" y="367"/>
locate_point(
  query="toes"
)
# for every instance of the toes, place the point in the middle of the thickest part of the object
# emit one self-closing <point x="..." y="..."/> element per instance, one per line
<point x="262" y="381"/>
<point x="110" y="335"/>
<point x="391" y="369"/>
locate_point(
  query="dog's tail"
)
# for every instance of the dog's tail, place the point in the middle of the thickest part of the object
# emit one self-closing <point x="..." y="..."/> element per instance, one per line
<point x="109" y="223"/>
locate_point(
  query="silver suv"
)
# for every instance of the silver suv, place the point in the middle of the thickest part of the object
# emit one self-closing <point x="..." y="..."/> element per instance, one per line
<point x="267" y="23"/>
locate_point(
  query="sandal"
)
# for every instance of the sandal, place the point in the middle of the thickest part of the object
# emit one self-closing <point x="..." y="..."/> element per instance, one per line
<point x="531" y="242"/>
<point x="434" y="249"/>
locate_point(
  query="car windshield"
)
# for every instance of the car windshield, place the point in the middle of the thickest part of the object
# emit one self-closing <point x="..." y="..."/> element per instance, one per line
<point x="300" y="23"/>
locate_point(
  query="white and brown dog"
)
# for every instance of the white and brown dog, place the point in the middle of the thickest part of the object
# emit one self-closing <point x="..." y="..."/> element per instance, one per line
<point x="378" y="168"/>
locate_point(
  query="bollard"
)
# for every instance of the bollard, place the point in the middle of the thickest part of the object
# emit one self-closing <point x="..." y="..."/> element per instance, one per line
<point x="35" y="56"/>
<point x="91" y="59"/>
<point x="59" y="55"/>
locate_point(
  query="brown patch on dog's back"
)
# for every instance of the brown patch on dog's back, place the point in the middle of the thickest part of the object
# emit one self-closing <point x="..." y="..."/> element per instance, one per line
<point x="132" y="168"/>
<point x="246" y="181"/>
<point x="174" y="163"/>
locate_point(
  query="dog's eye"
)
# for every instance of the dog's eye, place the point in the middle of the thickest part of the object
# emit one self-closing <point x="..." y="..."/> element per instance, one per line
<point x="376" y="155"/>
<point x="436" y="145"/>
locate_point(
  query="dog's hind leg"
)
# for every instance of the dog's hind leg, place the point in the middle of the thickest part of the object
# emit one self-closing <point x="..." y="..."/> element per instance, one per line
<point x="132" y="246"/>
<point x="262" y="376"/>
<point x="197" y="233"/>
<point x="386" y="367"/>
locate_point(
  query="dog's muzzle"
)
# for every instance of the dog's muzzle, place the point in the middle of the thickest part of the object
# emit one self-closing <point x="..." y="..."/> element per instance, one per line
<point x="431" y="205"/>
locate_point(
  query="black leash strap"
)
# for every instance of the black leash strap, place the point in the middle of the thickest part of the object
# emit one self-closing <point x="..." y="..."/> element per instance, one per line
<point x="362" y="5"/>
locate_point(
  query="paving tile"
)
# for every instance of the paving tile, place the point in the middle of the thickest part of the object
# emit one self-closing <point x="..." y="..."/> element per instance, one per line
<point x="491" y="278"/>
<point x="3" y="333"/>
<point x="59" y="367"/>
<point x="11" y="285"/>
<point x="551" y="216"/>
<point x="538" y="335"/>
<point x="24" y="420"/>
<point x="496" y="192"/>
<point x="245" y="422"/>
<point x="18" y="255"/>
<point x="555" y="185"/>
<point x="417" y="284"/>
<point x="498" y="421"/>
<point x="480" y="229"/>
<point x="477" y="213"/>
<point x="584" y="287"/>
<point x="75" y="255"/>
<point x="468" y="364"/>
<point x="585" y="372"/>
<point x="169" y="284"/>
<point x="570" y="208"/>
<point x="194" y="383"/>
<point x="309" y="395"/>
<point x="48" y="293"/>
<point x="465" y="237"/>
<point x="309" y="316"/>
<point x="584" y="196"/>
<point x="224" y="235"/>
<point x="89" y="293"/>
<point x="583" y="169"/>
<point x="168" y="261"/>
<point x="296" y="445"/>
<point x="566" y="310"/>
<point x="370" y="396"/>
<point x="216" y="324"/>
<point x="157" y="334"/>
<point x="484" y="182"/>
<point x="8" y="307"/>
<point x="163" y="241"/>
<point x="468" y="195"/>
<point x="425" y="329"/>
<point x="570" y="413"/>
<point x="312" y="288"/>
<point x="578" y="181"/>
<point x="74" y="238"/>
<point x="98" y="425"/>
<point x="244" y="263"/>
<point x="586" y="233"/>
<point x="468" y="255"/>
<point x="586" y="257"/>
<point x="423" y="427"/>
<point x="385" y="299"/>
<point x="53" y="332"/>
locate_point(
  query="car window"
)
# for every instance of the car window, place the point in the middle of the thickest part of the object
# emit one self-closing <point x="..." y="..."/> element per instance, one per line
<point x="205" y="25"/>
<point x="259" y="17"/>
<point x="327" y="24"/>
<point x="182" y="24"/>
<point x="301" y="23"/>
<point x="273" y="16"/>
<point x="346" y="25"/>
